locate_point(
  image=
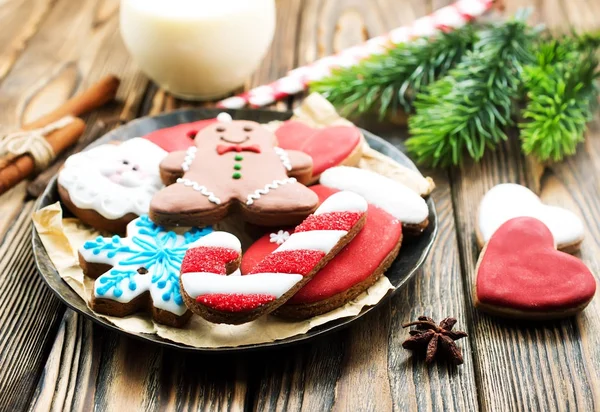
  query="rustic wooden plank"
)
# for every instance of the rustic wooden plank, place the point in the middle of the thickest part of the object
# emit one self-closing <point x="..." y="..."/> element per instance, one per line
<point x="21" y="20"/>
<point x="525" y="359"/>
<point x="74" y="41"/>
<point x="10" y="206"/>
<point x="28" y="315"/>
<point x="365" y="366"/>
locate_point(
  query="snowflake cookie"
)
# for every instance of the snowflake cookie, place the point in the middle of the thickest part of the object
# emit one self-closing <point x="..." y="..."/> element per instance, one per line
<point x="140" y="271"/>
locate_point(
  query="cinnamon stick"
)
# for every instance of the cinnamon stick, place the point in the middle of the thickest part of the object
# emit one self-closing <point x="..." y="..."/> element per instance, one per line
<point x="97" y="95"/>
<point x="37" y="186"/>
<point x="23" y="166"/>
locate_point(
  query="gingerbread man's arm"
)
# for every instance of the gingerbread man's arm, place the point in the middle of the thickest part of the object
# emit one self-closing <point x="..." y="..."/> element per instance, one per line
<point x="302" y="166"/>
<point x="171" y="167"/>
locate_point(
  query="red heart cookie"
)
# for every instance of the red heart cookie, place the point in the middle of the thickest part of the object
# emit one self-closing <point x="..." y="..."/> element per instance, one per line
<point x="521" y="274"/>
<point x="328" y="146"/>
<point x="178" y="137"/>
<point x="352" y="271"/>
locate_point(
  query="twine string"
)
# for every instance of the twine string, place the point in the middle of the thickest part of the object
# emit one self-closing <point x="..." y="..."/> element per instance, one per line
<point x="33" y="142"/>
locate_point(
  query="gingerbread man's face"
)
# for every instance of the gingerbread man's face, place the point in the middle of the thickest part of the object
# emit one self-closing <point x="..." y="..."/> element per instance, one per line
<point x="229" y="134"/>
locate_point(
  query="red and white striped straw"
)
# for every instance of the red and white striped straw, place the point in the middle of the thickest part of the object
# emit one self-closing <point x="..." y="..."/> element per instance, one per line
<point x="297" y="80"/>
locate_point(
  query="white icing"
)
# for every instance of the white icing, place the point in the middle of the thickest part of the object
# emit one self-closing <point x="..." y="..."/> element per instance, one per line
<point x="285" y="158"/>
<point x="98" y="178"/>
<point x="509" y="200"/>
<point x="279" y="237"/>
<point x="393" y="197"/>
<point x="147" y="246"/>
<point x="343" y="202"/>
<point x="219" y="239"/>
<point x="268" y="187"/>
<point x="199" y="188"/>
<point x="323" y="240"/>
<point x="190" y="155"/>
<point x="274" y="284"/>
<point x="224" y="117"/>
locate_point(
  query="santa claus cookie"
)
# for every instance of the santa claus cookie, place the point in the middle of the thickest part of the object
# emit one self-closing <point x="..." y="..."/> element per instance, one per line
<point x="178" y="137"/>
<point x="393" y="197"/>
<point x="327" y="146"/>
<point x="213" y="288"/>
<point x="521" y="274"/>
<point x="352" y="271"/>
<point x="509" y="200"/>
<point x="108" y="186"/>
<point x="234" y="166"/>
<point x="139" y="272"/>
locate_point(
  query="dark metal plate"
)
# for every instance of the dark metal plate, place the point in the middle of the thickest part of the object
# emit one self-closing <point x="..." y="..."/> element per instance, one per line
<point x="411" y="257"/>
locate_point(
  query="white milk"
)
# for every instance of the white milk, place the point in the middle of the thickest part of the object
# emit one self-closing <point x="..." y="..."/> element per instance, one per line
<point x="198" y="49"/>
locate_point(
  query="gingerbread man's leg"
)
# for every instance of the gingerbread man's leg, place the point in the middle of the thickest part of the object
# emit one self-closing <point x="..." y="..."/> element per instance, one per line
<point x="188" y="203"/>
<point x="287" y="204"/>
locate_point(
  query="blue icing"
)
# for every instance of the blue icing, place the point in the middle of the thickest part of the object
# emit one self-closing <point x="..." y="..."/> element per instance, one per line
<point x="112" y="280"/>
<point x="157" y="250"/>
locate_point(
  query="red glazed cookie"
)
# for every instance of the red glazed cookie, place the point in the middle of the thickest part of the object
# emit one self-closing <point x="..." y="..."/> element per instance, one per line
<point x="521" y="274"/>
<point x="350" y="273"/>
<point x="234" y="166"/>
<point x="178" y="137"/>
<point x="234" y="299"/>
<point x="328" y="146"/>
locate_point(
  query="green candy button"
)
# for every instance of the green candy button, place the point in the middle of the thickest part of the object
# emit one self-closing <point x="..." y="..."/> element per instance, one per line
<point x="236" y="175"/>
<point x="239" y="157"/>
<point x="237" y="166"/>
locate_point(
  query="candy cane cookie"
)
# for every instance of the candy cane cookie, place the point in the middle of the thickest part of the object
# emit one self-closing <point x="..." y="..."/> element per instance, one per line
<point x="213" y="288"/>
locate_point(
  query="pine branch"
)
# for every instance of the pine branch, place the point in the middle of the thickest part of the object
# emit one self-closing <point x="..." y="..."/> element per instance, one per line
<point x="562" y="94"/>
<point x="468" y="109"/>
<point x="390" y="81"/>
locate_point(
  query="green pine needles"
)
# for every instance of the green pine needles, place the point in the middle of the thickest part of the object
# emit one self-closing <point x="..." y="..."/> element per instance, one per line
<point x="468" y="109"/>
<point x="464" y="88"/>
<point x="561" y="96"/>
<point x="390" y="81"/>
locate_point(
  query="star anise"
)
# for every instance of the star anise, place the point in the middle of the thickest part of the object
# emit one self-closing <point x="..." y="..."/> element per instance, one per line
<point x="433" y="337"/>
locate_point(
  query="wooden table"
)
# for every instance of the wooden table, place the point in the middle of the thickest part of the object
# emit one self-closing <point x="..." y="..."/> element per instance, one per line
<point x="53" y="358"/>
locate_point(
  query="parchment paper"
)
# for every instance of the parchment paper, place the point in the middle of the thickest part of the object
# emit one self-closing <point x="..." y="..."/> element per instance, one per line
<point x="63" y="236"/>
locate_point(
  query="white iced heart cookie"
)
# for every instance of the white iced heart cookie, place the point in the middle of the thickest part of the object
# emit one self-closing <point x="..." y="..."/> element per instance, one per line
<point x="508" y="200"/>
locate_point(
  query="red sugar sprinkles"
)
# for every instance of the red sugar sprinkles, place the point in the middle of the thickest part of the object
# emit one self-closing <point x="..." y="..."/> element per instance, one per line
<point x="234" y="302"/>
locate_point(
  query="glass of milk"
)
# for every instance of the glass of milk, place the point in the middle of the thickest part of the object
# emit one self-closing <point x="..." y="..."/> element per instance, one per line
<point x="198" y="49"/>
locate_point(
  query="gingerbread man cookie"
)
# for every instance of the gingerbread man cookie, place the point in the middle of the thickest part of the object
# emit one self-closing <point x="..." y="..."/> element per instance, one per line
<point x="234" y="165"/>
<point x="140" y="271"/>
